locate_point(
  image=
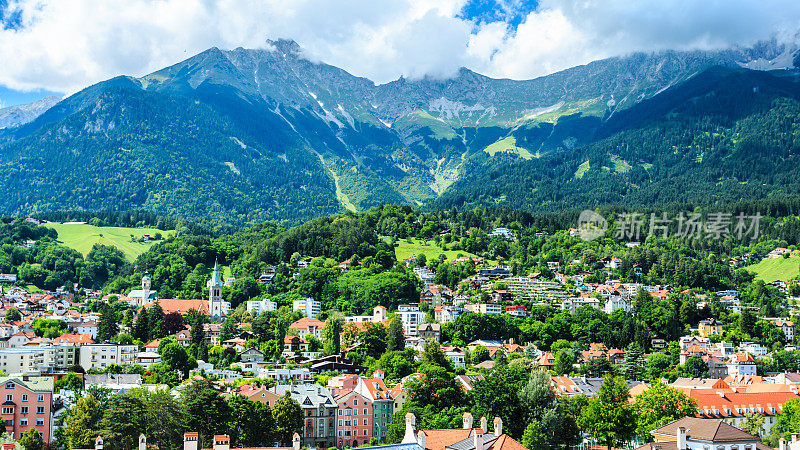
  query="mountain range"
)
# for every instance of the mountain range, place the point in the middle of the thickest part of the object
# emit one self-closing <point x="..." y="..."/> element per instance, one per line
<point x="242" y="135"/>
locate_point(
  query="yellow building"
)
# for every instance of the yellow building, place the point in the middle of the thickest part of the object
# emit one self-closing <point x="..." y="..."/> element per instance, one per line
<point x="708" y="327"/>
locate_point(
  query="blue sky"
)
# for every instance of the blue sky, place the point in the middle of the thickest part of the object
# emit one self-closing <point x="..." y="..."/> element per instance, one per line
<point x="62" y="46"/>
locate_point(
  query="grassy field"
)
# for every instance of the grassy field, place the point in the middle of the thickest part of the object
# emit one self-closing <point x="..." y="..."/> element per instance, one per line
<point x="82" y="237"/>
<point x="508" y="144"/>
<point x="407" y="249"/>
<point x="777" y="268"/>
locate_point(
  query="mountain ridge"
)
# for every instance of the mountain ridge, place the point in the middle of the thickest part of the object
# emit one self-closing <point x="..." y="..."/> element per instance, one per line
<point x="332" y="140"/>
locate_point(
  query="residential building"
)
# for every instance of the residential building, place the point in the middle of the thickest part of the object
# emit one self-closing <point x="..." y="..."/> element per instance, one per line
<point x="742" y="364"/>
<point x="465" y="438"/>
<point x="436" y="295"/>
<point x="691" y="433"/>
<point x="306" y="326"/>
<point x="319" y="413"/>
<point x="708" y="327"/>
<point x="256" y="307"/>
<point x="732" y="407"/>
<point x="754" y="349"/>
<point x="36" y="360"/>
<point x="447" y="313"/>
<point x="431" y="332"/>
<point x="28" y="404"/>
<point x="310" y="307"/>
<point x="99" y="356"/>
<point x="787" y="326"/>
<point x="411" y="317"/>
<point x="484" y="308"/>
<point x="516" y="311"/>
<point x="354" y="419"/>
<point x="382" y="404"/>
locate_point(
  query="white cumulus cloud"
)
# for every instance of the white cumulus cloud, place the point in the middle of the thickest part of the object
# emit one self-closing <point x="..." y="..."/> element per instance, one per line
<point x="65" y="45"/>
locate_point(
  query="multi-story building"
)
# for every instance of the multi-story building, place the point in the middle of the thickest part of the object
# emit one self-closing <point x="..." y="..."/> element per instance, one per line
<point x="256" y="307"/>
<point x="483" y="308"/>
<point x="99" y="356"/>
<point x="37" y="360"/>
<point x="28" y="404"/>
<point x="430" y="331"/>
<point x="447" y="313"/>
<point x="382" y="404"/>
<point x="691" y="433"/>
<point x="742" y="364"/>
<point x="787" y="326"/>
<point x="319" y="413"/>
<point x="353" y="419"/>
<point x="707" y="327"/>
<point x="411" y="317"/>
<point x="306" y="326"/>
<point x="310" y="307"/>
<point x="516" y="311"/>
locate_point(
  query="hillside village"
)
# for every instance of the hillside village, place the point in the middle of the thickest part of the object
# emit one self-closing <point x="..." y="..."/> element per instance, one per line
<point x="420" y="368"/>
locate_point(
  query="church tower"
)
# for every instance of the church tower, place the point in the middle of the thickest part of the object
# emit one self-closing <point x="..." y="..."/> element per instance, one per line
<point x="145" y="289"/>
<point x="215" y="293"/>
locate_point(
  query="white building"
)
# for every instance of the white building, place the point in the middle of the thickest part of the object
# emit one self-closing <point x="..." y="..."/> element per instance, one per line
<point x="484" y="308"/>
<point x="310" y="307"/>
<point x="742" y="364"/>
<point x="99" y="356"/>
<point x="754" y="349"/>
<point x="411" y="317"/>
<point x="256" y="307"/>
<point x="37" y="360"/>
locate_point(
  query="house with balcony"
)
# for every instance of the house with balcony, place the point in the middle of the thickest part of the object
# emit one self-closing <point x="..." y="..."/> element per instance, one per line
<point x="28" y="404"/>
<point x="319" y="413"/>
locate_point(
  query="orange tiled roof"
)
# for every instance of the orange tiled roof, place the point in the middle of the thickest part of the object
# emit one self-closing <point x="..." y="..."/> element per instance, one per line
<point x="713" y="405"/>
<point x="181" y="306"/>
<point x="305" y="322"/>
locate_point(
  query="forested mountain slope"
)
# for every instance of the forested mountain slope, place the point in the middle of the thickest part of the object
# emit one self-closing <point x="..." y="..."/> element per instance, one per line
<point x="242" y="135"/>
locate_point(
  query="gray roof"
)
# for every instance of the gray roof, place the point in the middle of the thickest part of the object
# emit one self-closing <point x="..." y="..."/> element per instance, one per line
<point x="469" y="443"/>
<point x="590" y="387"/>
<point x="111" y="378"/>
<point x="412" y="446"/>
<point x="307" y="395"/>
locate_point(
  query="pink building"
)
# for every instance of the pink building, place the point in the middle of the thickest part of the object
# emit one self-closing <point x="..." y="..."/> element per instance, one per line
<point x="353" y="419"/>
<point x="27" y="403"/>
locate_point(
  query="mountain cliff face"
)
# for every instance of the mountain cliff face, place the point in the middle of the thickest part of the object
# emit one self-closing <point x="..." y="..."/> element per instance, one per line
<point x="245" y="135"/>
<point x="14" y="116"/>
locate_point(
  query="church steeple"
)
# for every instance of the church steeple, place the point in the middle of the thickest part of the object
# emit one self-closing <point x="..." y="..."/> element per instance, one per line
<point x="215" y="293"/>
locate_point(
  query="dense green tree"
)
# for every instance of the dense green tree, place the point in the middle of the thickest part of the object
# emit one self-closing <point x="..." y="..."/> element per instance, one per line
<point x="288" y="419"/>
<point x="396" y="339"/>
<point x="332" y="335"/>
<point x="81" y="425"/>
<point x="12" y="315"/>
<point x="659" y="405"/>
<point x="609" y="417"/>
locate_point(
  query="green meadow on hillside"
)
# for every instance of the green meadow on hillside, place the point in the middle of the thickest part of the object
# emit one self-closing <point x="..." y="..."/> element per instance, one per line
<point x="771" y="269"/>
<point x="82" y="237"/>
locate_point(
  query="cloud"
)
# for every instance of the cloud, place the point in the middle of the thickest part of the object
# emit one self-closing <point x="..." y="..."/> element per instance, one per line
<point x="65" y="45"/>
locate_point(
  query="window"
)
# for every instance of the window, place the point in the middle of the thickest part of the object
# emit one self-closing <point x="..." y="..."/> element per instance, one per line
<point x="24" y="410"/>
<point x="9" y="397"/>
<point x="8" y="410"/>
<point x="365" y="411"/>
<point x="39" y="422"/>
<point x="340" y="422"/>
<point x="24" y="397"/>
<point x="10" y="385"/>
<point x="365" y="424"/>
<point x="40" y="410"/>
<point x="9" y="423"/>
<point x="355" y="402"/>
<point x="23" y="422"/>
<point x="41" y="398"/>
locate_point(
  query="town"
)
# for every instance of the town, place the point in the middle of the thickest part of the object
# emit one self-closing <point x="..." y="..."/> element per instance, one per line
<point x="583" y="348"/>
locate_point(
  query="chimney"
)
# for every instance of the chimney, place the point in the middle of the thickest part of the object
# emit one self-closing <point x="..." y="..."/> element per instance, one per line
<point x="681" y="438"/>
<point x="142" y="442"/>
<point x="222" y="442"/>
<point x="98" y="443"/>
<point x="478" y="440"/>
<point x="411" y="435"/>
<point x="498" y="426"/>
<point x="295" y="441"/>
<point x="421" y="438"/>
<point x="190" y="441"/>
<point x="467" y="420"/>
<point x="484" y="425"/>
